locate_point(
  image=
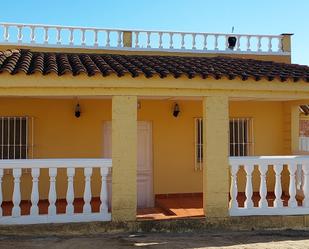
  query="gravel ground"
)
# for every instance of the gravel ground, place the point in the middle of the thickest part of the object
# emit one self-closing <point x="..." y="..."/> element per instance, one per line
<point x="255" y="239"/>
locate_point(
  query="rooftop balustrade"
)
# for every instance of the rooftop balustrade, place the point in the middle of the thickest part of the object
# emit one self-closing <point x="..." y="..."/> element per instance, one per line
<point x="140" y="40"/>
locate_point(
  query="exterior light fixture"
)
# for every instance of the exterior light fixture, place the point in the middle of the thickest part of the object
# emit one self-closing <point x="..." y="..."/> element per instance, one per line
<point x="139" y="105"/>
<point x="77" y="110"/>
<point x="176" y="110"/>
<point x="232" y="40"/>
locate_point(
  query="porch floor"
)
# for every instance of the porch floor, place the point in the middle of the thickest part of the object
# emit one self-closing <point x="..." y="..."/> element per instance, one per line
<point x="175" y="207"/>
<point x="167" y="207"/>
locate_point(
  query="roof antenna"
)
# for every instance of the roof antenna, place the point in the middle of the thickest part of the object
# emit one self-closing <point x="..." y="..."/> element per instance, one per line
<point x="232" y="29"/>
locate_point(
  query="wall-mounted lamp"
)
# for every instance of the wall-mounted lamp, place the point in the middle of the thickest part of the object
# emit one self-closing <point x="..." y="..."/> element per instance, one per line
<point x="176" y="110"/>
<point x="77" y="110"/>
<point x="139" y="105"/>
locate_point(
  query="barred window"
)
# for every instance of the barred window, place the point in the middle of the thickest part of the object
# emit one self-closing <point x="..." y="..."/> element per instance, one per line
<point x="241" y="139"/>
<point x="14" y="137"/>
<point x="198" y="143"/>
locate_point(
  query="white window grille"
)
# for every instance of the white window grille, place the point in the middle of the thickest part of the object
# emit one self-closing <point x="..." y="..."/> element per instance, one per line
<point x="198" y="144"/>
<point x="14" y="137"/>
<point x="241" y="139"/>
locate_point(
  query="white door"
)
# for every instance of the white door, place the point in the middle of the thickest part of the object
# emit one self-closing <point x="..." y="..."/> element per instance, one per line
<point x="144" y="161"/>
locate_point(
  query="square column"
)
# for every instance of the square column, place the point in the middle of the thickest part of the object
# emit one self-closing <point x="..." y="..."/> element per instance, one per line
<point x="124" y="156"/>
<point x="294" y="129"/>
<point x="216" y="156"/>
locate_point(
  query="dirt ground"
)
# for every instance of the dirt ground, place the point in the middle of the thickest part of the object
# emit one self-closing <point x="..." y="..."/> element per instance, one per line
<point x="268" y="239"/>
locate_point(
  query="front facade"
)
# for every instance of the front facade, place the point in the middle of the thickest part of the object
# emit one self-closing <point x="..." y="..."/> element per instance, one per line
<point x="101" y="132"/>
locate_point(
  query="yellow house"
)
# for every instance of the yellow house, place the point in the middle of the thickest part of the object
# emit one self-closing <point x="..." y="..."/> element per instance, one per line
<point x="99" y="124"/>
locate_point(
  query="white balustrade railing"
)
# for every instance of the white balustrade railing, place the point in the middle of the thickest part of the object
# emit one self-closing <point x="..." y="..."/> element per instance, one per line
<point x="53" y="165"/>
<point x="296" y="199"/>
<point x="90" y="37"/>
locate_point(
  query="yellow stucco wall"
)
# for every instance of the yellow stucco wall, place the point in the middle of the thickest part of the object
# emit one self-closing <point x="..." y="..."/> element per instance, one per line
<point x="58" y="134"/>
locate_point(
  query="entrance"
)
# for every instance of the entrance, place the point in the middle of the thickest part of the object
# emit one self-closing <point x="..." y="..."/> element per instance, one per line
<point x="145" y="196"/>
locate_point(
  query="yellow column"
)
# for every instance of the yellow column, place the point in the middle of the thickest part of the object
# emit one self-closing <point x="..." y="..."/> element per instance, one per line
<point x="215" y="159"/>
<point x="127" y="39"/>
<point x="124" y="156"/>
<point x="294" y="129"/>
<point x="286" y="42"/>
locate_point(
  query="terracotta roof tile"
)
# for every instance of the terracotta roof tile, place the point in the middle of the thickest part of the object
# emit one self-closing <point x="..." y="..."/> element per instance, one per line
<point x="30" y="62"/>
<point x="304" y="109"/>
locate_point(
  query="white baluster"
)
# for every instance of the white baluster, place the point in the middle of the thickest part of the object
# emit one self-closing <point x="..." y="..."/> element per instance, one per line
<point x="108" y="40"/>
<point x="16" y="193"/>
<point x="71" y="42"/>
<point x="160" y="40"/>
<point x="193" y="41"/>
<point x="1" y="198"/>
<point x="96" y="44"/>
<point x="226" y="37"/>
<point x="19" y="34"/>
<point x="233" y="189"/>
<point x="6" y="33"/>
<point x="182" y="41"/>
<point x="249" y="169"/>
<point x="278" y="188"/>
<point x="58" y="35"/>
<point x="45" y="35"/>
<point x="148" y="40"/>
<point x="306" y="185"/>
<point x="171" y="40"/>
<point x="35" y="173"/>
<point x="70" y="191"/>
<point x="87" y="192"/>
<point x="216" y="42"/>
<point x="280" y="44"/>
<point x="136" y="39"/>
<point x="263" y="168"/>
<point x="52" y="195"/>
<point x="248" y="43"/>
<point x="103" y="194"/>
<point x="292" y="188"/>
<point x="205" y="42"/>
<point x="83" y="37"/>
<point x="270" y="44"/>
<point x="259" y="44"/>
<point x="238" y="43"/>
<point x="119" y="39"/>
<point x="32" y="34"/>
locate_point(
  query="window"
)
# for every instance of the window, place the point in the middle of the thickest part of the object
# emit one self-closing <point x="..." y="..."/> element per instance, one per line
<point x="198" y="144"/>
<point x="241" y="135"/>
<point x="14" y="138"/>
<point x="241" y="139"/>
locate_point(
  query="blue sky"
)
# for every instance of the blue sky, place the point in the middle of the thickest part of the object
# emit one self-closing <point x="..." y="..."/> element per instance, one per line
<point x="248" y="16"/>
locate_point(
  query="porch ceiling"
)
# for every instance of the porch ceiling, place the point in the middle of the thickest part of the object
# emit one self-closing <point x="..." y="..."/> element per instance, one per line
<point x="302" y="103"/>
<point x="303" y="108"/>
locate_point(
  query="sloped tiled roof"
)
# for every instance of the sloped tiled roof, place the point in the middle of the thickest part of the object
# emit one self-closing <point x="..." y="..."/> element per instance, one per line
<point x="30" y="62"/>
<point x="304" y="109"/>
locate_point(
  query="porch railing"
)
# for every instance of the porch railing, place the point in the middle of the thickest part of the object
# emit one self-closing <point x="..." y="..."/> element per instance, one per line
<point x="53" y="165"/>
<point x="297" y="196"/>
<point x="91" y="37"/>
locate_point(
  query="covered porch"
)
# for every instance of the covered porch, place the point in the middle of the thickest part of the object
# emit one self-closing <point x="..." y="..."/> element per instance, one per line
<point x="98" y="168"/>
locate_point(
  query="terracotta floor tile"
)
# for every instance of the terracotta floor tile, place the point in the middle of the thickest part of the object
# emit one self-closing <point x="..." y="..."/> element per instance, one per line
<point x="168" y="207"/>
